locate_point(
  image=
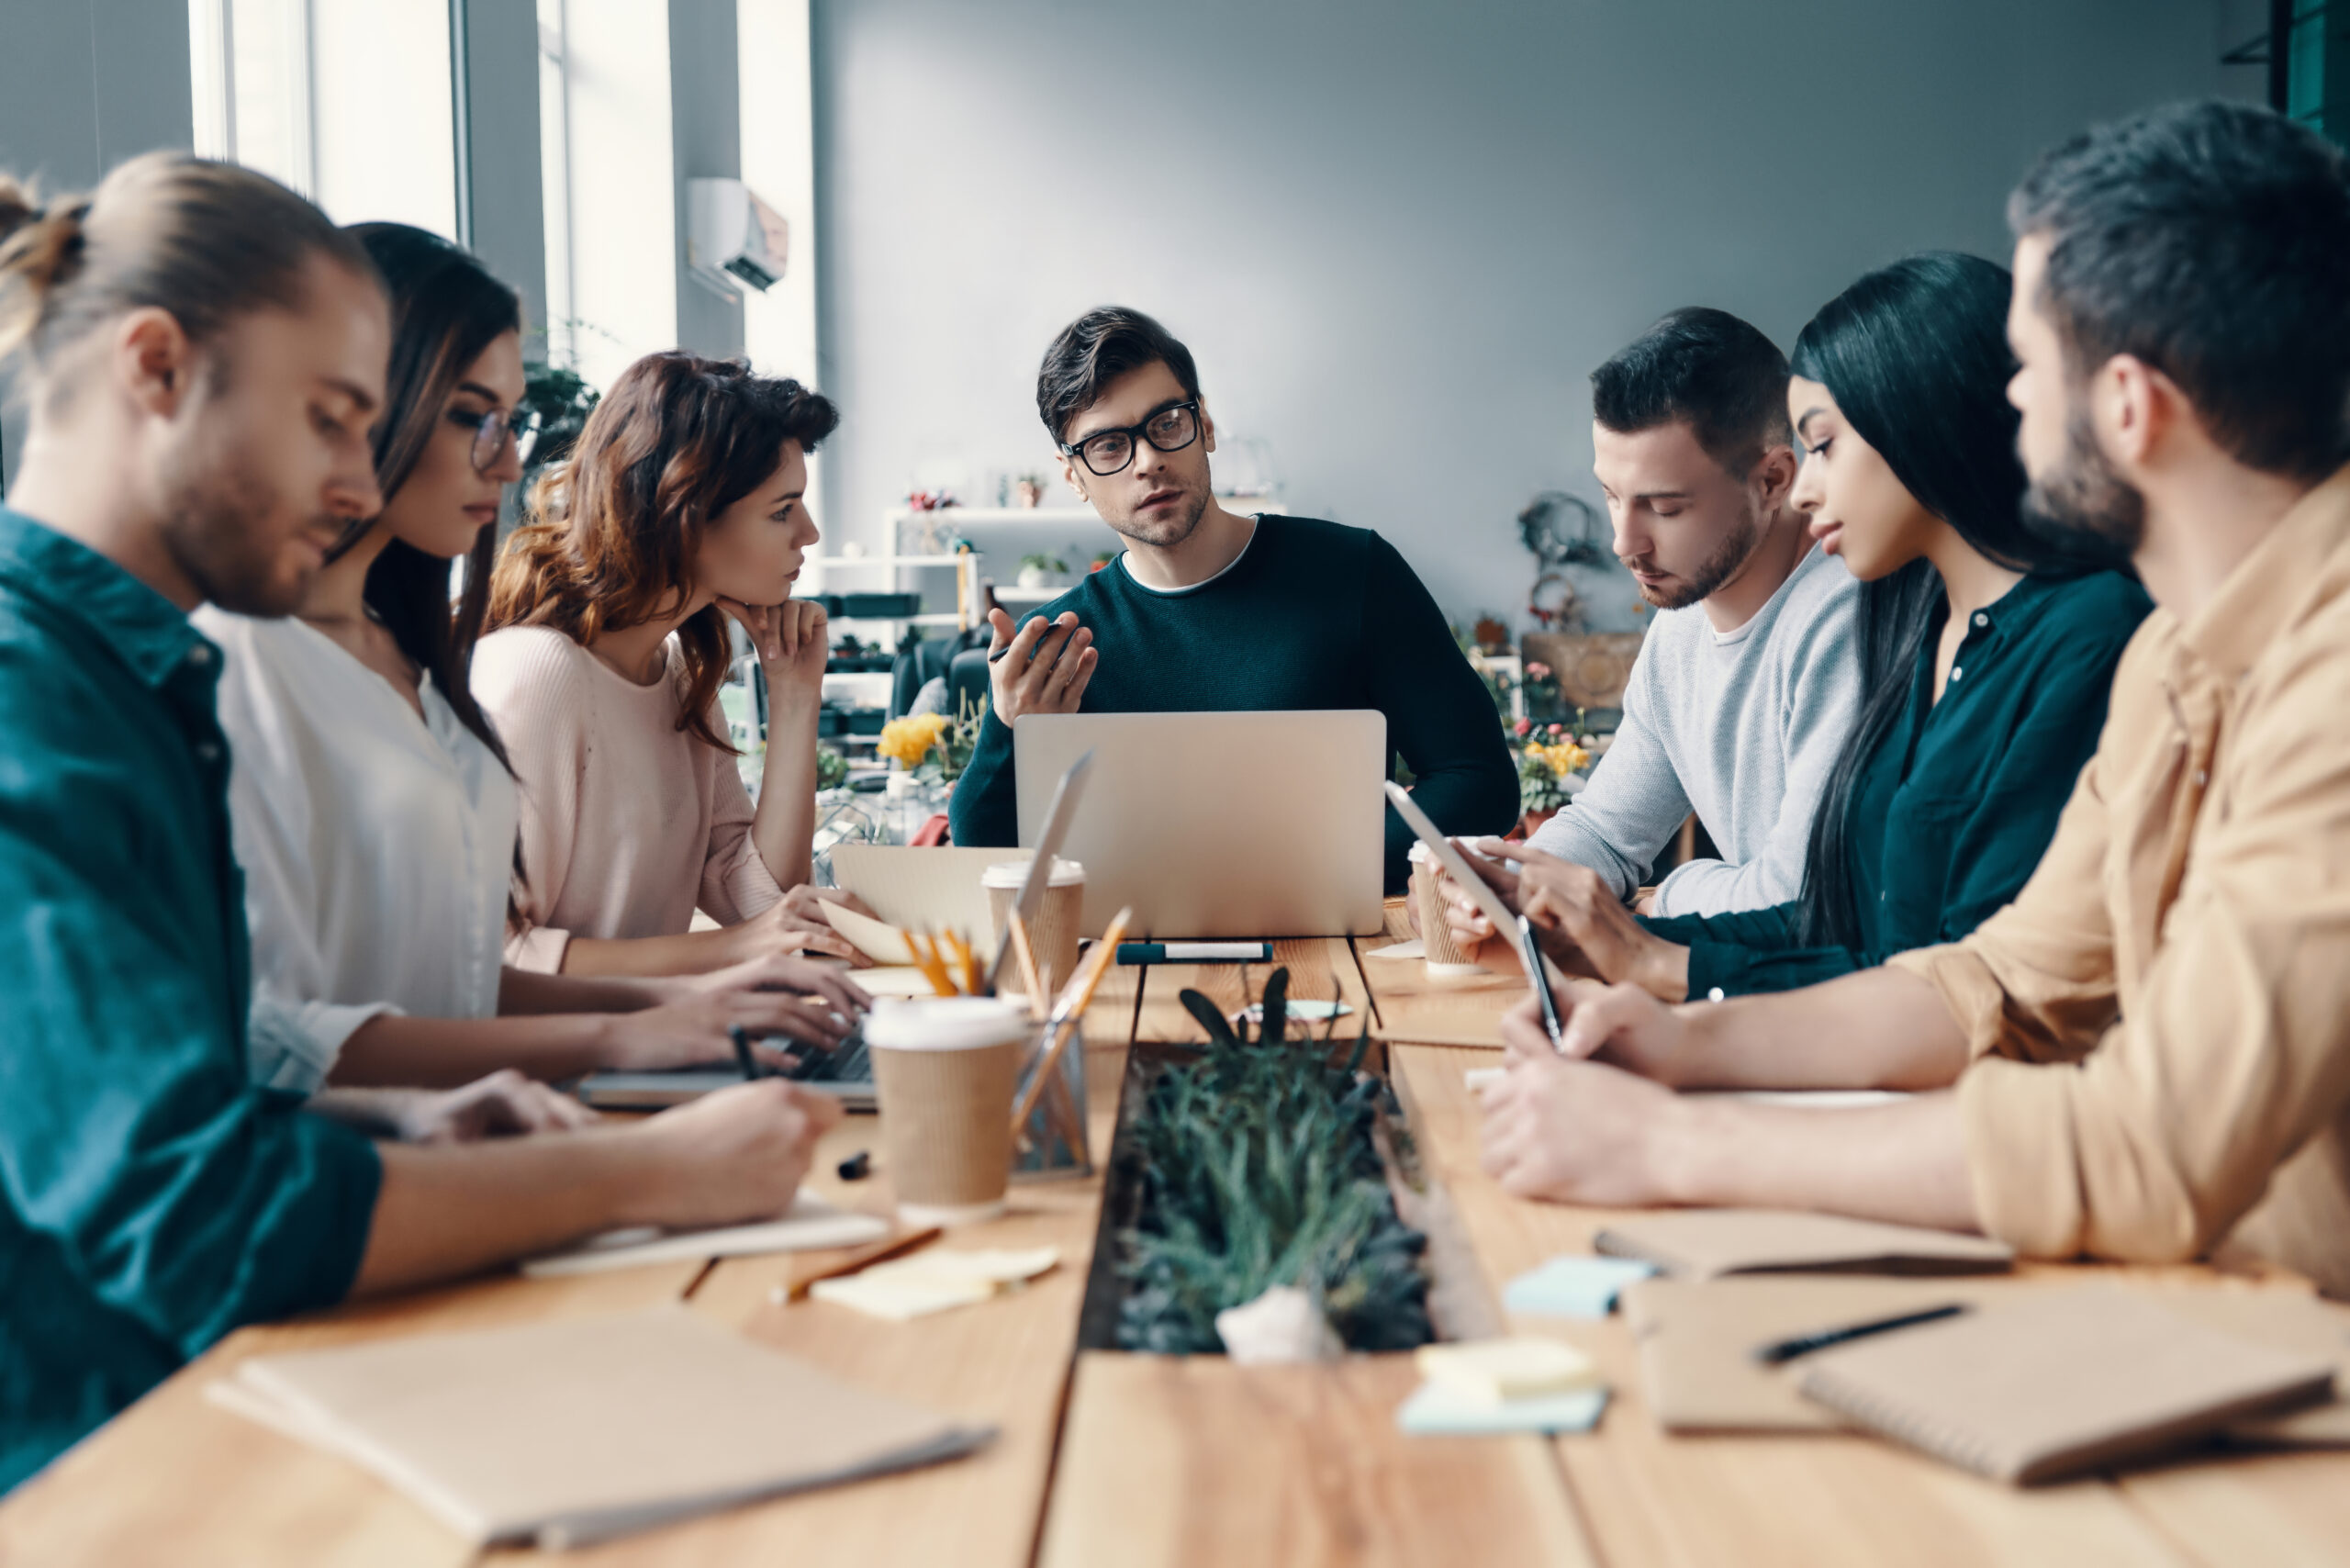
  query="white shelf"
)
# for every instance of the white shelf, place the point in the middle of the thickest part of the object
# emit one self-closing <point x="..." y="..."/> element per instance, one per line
<point x="829" y="561"/>
<point x="942" y="617"/>
<point x="999" y="514"/>
<point x="1031" y="595"/>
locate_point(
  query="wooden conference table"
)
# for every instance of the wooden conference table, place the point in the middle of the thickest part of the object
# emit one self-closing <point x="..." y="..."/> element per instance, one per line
<point x="1134" y="1460"/>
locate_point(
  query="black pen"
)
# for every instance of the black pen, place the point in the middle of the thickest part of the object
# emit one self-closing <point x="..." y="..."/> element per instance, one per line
<point x="997" y="657"/>
<point x="1780" y="1351"/>
<point x="749" y="1063"/>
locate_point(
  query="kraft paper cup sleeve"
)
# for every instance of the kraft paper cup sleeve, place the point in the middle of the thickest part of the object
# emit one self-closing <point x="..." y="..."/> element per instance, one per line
<point x="1444" y="956"/>
<point x="1054" y="937"/>
<point x="946" y="1125"/>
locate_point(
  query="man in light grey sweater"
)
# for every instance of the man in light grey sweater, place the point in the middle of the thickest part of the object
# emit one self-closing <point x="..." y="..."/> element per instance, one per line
<point x="1749" y="679"/>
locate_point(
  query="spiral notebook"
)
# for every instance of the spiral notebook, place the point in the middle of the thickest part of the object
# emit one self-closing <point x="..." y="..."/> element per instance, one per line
<point x="2053" y="1385"/>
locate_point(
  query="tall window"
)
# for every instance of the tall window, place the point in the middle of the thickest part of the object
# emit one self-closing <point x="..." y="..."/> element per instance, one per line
<point x="350" y="104"/>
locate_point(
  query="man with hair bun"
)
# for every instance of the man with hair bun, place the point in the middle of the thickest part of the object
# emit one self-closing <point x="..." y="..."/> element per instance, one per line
<point x="203" y="355"/>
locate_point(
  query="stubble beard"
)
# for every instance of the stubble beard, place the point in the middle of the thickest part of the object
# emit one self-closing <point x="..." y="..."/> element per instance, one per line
<point x="216" y="516"/>
<point x="1729" y="559"/>
<point x="1167" y="534"/>
<point x="2084" y="506"/>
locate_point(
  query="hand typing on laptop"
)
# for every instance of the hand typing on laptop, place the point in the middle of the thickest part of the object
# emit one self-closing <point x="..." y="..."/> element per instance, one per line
<point x="1043" y="668"/>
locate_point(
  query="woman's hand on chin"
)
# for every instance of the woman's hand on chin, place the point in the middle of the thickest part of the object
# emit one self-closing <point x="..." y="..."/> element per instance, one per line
<point x="792" y="639"/>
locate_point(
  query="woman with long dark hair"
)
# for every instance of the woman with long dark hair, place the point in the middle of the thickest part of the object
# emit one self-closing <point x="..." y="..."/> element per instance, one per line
<point x="373" y="806"/>
<point x="683" y="506"/>
<point x="1986" y="656"/>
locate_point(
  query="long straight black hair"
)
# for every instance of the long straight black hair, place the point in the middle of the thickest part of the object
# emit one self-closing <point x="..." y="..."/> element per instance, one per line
<point x="1915" y="355"/>
<point x="446" y="309"/>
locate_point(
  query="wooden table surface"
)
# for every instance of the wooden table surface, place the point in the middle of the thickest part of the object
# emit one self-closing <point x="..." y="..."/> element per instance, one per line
<point x="1115" y="1459"/>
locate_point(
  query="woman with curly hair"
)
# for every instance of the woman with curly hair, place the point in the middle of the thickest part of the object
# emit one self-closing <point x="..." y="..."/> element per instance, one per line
<point x="683" y="504"/>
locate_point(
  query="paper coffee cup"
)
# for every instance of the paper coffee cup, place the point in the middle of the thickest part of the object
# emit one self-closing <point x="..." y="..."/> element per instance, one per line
<point x="944" y="1069"/>
<point x="1443" y="956"/>
<point x="1053" y="936"/>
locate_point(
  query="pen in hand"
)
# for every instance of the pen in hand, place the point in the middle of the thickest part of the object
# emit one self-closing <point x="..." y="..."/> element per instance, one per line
<point x="742" y="1056"/>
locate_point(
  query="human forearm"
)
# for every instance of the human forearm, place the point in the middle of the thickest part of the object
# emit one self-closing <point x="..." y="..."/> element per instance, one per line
<point x="1877" y="1029"/>
<point x="735" y="1155"/>
<point x="785" y="823"/>
<point x="444" y="1212"/>
<point x="525" y="991"/>
<point x="392" y="1049"/>
<point x="1906" y="1164"/>
<point x="688" y="953"/>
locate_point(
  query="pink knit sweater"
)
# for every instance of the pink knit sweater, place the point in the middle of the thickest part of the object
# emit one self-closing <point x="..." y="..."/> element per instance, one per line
<point x="629" y="823"/>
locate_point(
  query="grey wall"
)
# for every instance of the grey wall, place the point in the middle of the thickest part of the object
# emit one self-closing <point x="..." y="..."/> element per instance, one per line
<point x="1398" y="235"/>
<point x="85" y="84"/>
<point x="705" y="92"/>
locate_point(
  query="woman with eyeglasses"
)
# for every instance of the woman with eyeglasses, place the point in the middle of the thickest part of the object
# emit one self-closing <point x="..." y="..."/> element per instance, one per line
<point x="682" y="506"/>
<point x="371" y="802"/>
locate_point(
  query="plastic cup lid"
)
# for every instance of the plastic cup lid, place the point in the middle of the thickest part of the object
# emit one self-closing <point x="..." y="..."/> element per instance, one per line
<point x="1013" y="874"/>
<point x="943" y="1022"/>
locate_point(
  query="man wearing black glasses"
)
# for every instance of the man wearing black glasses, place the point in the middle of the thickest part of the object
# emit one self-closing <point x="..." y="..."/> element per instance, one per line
<point x="1213" y="610"/>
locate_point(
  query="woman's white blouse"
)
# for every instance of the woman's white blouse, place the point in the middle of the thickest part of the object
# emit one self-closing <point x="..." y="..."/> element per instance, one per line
<point x="377" y="848"/>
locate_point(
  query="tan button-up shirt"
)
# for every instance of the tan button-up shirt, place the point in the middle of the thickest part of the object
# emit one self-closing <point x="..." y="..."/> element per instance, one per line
<point x="2160" y="1021"/>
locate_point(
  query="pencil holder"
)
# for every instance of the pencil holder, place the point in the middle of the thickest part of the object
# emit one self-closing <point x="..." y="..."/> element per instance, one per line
<point x="1052" y="1139"/>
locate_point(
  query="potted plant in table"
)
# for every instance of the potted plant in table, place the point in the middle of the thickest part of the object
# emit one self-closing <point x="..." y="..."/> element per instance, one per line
<point x="1552" y="763"/>
<point x="933" y="747"/>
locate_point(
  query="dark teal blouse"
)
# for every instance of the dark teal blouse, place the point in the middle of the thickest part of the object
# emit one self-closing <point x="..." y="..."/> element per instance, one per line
<point x="1954" y="809"/>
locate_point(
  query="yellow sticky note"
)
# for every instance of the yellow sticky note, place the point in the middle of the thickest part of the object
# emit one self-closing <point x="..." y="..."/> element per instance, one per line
<point x="1498" y="1371"/>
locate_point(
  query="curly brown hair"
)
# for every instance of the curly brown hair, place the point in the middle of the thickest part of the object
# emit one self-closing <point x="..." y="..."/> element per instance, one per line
<point x="614" y="529"/>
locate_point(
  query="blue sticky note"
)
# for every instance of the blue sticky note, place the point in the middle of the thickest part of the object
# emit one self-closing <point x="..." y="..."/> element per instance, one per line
<point x="1437" y="1411"/>
<point x="1575" y="1286"/>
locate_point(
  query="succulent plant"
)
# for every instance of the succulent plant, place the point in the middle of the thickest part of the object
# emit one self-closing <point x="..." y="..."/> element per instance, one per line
<point x="1259" y="1170"/>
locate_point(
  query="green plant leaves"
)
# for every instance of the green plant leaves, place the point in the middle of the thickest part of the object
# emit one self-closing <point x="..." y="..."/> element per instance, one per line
<point x="1259" y="1170"/>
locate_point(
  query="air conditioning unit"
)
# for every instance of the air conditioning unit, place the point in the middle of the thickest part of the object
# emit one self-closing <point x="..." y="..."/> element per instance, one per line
<point x="732" y="237"/>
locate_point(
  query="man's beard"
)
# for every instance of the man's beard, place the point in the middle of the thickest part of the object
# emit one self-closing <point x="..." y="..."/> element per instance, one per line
<point x="1724" y="564"/>
<point x="2083" y="506"/>
<point x="214" y="518"/>
<point x="1172" y="531"/>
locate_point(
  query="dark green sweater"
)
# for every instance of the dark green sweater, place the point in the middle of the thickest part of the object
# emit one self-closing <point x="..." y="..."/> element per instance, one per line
<point x="1954" y="809"/>
<point x="1312" y="615"/>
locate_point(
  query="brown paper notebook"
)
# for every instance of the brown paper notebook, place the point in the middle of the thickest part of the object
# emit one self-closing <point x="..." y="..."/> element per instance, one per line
<point x="1698" y="1244"/>
<point x="572" y="1432"/>
<point x="1696" y="1338"/>
<point x="2053" y="1384"/>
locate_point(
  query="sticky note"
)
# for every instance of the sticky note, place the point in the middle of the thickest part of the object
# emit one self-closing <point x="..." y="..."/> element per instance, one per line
<point x="1498" y="1371"/>
<point x="1437" y="1411"/>
<point x="1574" y="1287"/>
<point x="906" y="1288"/>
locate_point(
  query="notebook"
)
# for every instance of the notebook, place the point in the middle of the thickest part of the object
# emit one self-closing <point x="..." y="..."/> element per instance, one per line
<point x="1698" y="1375"/>
<point x="2049" y="1385"/>
<point x="811" y="1224"/>
<point x="573" y="1431"/>
<point x="930" y="889"/>
<point x="1702" y="1243"/>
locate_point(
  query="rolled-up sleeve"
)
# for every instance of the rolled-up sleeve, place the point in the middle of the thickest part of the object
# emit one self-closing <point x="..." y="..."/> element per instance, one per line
<point x="2154" y="1142"/>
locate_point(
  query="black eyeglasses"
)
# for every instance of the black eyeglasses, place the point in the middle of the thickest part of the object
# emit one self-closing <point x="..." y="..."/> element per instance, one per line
<point x="491" y="427"/>
<point x="1170" y="428"/>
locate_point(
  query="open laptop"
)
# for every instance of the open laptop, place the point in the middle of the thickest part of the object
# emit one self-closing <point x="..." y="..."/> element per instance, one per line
<point x="1219" y="824"/>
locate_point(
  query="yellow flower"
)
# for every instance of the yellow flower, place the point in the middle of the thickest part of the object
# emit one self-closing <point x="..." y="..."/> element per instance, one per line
<point x="1563" y="758"/>
<point x="909" y="740"/>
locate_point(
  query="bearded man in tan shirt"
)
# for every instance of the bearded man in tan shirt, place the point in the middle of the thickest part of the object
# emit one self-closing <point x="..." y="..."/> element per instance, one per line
<point x="2146" y="1055"/>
